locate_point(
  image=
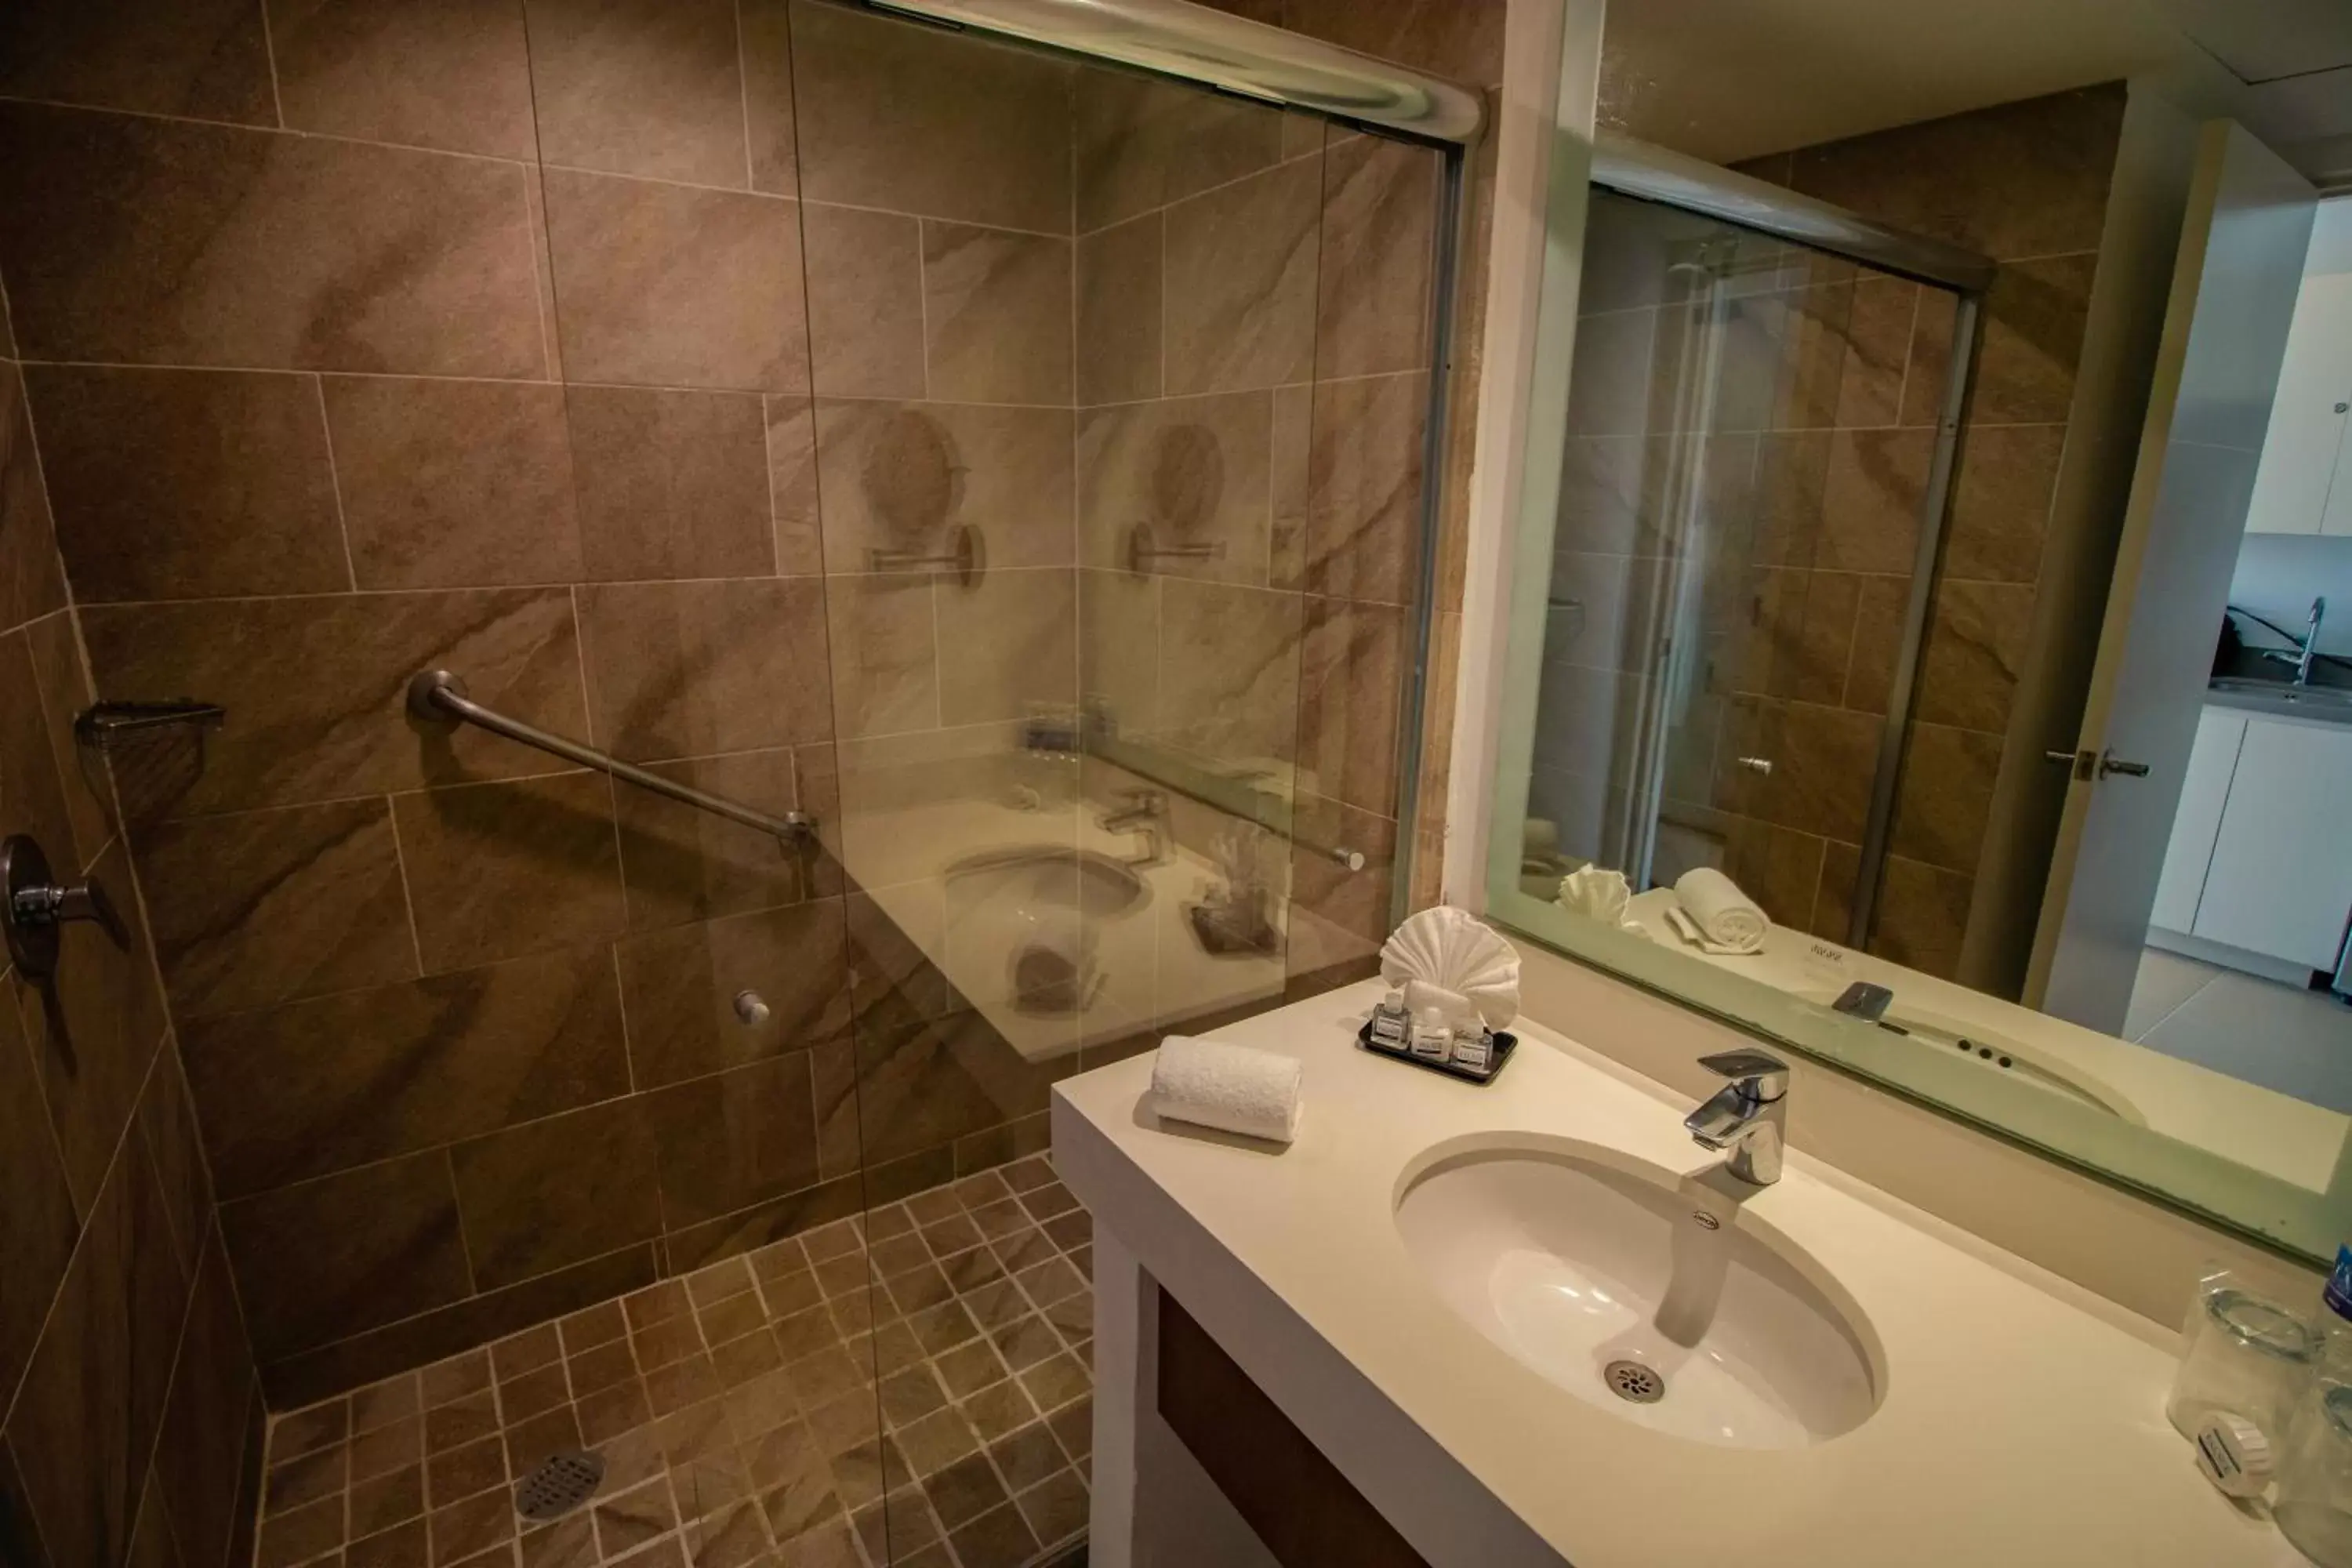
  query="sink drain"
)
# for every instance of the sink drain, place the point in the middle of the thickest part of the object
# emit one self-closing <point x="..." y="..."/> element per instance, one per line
<point x="559" y="1484"/>
<point x="1632" y="1380"/>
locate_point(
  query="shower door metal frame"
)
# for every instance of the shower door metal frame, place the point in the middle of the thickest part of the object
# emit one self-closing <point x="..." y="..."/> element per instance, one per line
<point x="1656" y="175"/>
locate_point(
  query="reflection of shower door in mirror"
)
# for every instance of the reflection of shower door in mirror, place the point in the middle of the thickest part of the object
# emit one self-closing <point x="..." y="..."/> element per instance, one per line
<point x="1748" y="429"/>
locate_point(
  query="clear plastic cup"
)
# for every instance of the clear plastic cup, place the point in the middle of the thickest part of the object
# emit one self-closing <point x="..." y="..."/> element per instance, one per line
<point x="2245" y="1355"/>
<point x="2313" y="1500"/>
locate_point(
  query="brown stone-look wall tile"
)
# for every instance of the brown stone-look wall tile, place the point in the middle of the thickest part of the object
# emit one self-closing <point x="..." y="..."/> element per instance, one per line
<point x="734" y="1233"/>
<point x="1364" y="497"/>
<point x="672" y="286"/>
<point x="865" y="302"/>
<point x="530" y="1203"/>
<point x="1921" y="915"/>
<point x="37" y="1219"/>
<point x="1877" y="349"/>
<point x="199" y="1455"/>
<point x="1945" y="795"/>
<point x="1977" y="638"/>
<point x="680" y="987"/>
<point x="672" y="484"/>
<point x="1350" y="669"/>
<point x="1229" y="668"/>
<point x="498" y="870"/>
<point x="1143" y="143"/>
<point x="32" y="577"/>
<point x="302" y="1091"/>
<point x="684" y="669"/>
<point x="883" y="639"/>
<point x="317" y="688"/>
<point x="1877" y="642"/>
<point x="648" y="88"/>
<point x="1872" y="498"/>
<point x="1824" y="759"/>
<point x="996" y="314"/>
<point x="1240" y="273"/>
<point x="769" y="123"/>
<point x="2033" y="341"/>
<point x="918" y="121"/>
<point x="1380" y="214"/>
<point x="93" y="1398"/>
<point x="1462" y="39"/>
<point x="150" y="241"/>
<point x="792" y="486"/>
<point x="300" y="1378"/>
<point x="453" y="484"/>
<point x="1776" y="867"/>
<point x="326" y="1259"/>
<point x="32" y="793"/>
<point x="681" y="863"/>
<point x="449" y="74"/>
<point x="175" y="1144"/>
<point x="931" y="1083"/>
<point x="94" y="1032"/>
<point x="262" y="906"/>
<point x="2002" y="493"/>
<point x="738" y="1137"/>
<point x="233" y="491"/>
<point x="207" y="60"/>
<point x="899" y="475"/>
<point x="64" y="685"/>
<point x="1198" y="471"/>
<point x="1119" y="312"/>
<point x="1008" y="644"/>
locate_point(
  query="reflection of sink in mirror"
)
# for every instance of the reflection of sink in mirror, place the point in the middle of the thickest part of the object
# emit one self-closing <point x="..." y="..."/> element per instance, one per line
<point x="1646" y="1295"/>
<point x="1024" y="915"/>
<point x="1999" y="1053"/>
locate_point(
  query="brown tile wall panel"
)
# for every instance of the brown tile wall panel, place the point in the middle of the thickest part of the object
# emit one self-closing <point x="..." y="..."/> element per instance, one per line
<point x="448" y="74"/>
<point x="207" y="59"/>
<point x="672" y="286"/>
<point x="320" y="688"/>
<point x="531" y="1205"/>
<point x="262" y="906"/>
<point x="648" y="88"/>
<point x="64" y="686"/>
<point x="996" y="315"/>
<point x="38" y="1218"/>
<point x="1143" y="143"/>
<point x="916" y="121"/>
<point x="233" y="493"/>
<point x="167" y="1121"/>
<point x="899" y="476"/>
<point x="736" y="1139"/>
<point x="672" y="484"/>
<point x="684" y="670"/>
<point x="681" y="984"/>
<point x="198" y="1456"/>
<point x="312" y="1088"/>
<point x="771" y="126"/>
<point x="1119" y="312"/>
<point x="325" y="1260"/>
<point x="448" y="484"/>
<point x="865" y="302"/>
<point x="150" y="241"/>
<point x="498" y="870"/>
<point x="1379" y="217"/>
<point x="1240" y="271"/>
<point x="683" y="864"/>
<point x="32" y="579"/>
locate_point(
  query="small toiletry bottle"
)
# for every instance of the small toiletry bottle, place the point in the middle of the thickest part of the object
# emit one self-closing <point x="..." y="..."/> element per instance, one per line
<point x="1474" y="1049"/>
<point x="1392" y="1025"/>
<point x="1431" y="1040"/>
<point x="2334" y="1319"/>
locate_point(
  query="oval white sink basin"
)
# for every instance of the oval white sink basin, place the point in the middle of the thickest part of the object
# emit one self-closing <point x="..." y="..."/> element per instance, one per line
<point x="1596" y="1271"/>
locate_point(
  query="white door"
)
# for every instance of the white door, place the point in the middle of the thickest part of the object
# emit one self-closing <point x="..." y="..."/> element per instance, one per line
<point x="2243" y="242"/>
<point x="2220" y="733"/>
<point x="2281" y="882"/>
<point x="2306" y="443"/>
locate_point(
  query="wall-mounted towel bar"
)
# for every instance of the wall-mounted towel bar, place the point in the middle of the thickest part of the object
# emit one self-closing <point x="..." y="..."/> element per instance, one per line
<point x="439" y="695"/>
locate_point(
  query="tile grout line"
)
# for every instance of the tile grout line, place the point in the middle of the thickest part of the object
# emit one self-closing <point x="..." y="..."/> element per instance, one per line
<point x="334" y="478"/>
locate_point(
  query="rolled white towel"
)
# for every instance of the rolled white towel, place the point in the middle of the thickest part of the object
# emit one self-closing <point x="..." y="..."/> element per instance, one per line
<point x="1726" y="920"/>
<point x="1234" y="1089"/>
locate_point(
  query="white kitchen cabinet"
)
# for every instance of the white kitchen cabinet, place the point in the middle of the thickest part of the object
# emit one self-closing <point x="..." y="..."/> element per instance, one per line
<point x="2197" y="823"/>
<point x="2303" y="481"/>
<point x="2280" y="880"/>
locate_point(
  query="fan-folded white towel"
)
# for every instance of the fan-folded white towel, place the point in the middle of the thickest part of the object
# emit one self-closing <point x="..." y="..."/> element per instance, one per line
<point x="1728" y="920"/>
<point x="1234" y="1089"/>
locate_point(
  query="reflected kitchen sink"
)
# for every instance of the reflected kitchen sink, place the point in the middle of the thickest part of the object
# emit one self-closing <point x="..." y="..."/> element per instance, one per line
<point x="1642" y="1293"/>
<point x="2276" y="696"/>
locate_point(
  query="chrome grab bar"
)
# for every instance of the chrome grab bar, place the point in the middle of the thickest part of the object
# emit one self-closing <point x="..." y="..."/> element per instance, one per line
<point x="438" y="694"/>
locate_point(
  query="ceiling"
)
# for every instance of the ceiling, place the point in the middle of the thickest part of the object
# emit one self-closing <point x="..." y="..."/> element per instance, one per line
<point x="1727" y="79"/>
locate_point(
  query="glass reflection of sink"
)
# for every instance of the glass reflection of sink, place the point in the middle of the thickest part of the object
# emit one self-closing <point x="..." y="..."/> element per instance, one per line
<point x="1642" y="1293"/>
<point x="1995" y="1052"/>
<point x="1081" y="880"/>
<point x="2321" y="701"/>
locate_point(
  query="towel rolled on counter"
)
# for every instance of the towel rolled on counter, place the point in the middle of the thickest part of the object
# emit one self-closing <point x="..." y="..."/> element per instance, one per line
<point x="1234" y="1089"/>
<point x="1715" y="915"/>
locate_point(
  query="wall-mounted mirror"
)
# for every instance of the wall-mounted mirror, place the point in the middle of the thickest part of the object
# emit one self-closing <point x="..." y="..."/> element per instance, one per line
<point x="1938" y="481"/>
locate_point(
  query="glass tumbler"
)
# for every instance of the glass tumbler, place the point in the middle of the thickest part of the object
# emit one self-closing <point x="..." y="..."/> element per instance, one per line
<point x="2245" y="1355"/>
<point x="2313" y="1506"/>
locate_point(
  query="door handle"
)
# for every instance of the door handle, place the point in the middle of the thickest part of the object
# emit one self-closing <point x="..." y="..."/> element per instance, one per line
<point x="2111" y="764"/>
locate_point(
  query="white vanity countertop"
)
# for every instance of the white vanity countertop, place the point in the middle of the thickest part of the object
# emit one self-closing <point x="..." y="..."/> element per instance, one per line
<point x="2018" y="1426"/>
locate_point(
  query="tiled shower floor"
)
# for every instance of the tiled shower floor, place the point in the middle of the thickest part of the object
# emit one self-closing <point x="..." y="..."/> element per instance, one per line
<point x="736" y="1411"/>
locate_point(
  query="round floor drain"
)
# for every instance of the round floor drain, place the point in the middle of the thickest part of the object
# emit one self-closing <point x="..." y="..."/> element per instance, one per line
<point x="561" y="1483"/>
<point x="1632" y="1380"/>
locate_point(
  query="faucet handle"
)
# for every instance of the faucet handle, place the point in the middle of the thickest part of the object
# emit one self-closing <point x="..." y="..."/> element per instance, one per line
<point x="1758" y="1073"/>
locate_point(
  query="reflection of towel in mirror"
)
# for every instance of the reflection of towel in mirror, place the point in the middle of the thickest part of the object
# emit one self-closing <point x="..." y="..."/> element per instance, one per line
<point x="1598" y="894"/>
<point x="1713" y="915"/>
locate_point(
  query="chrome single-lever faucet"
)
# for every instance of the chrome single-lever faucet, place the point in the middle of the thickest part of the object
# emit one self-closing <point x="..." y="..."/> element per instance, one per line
<point x="1147" y="814"/>
<point x="2302" y="657"/>
<point x="1748" y="1115"/>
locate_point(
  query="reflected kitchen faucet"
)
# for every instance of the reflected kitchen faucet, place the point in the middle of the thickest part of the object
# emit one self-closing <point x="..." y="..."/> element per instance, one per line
<point x="2302" y="657"/>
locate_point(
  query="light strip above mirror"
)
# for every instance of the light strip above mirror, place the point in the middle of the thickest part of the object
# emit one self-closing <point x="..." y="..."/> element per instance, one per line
<point x="1654" y="174"/>
<point x="1175" y="39"/>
